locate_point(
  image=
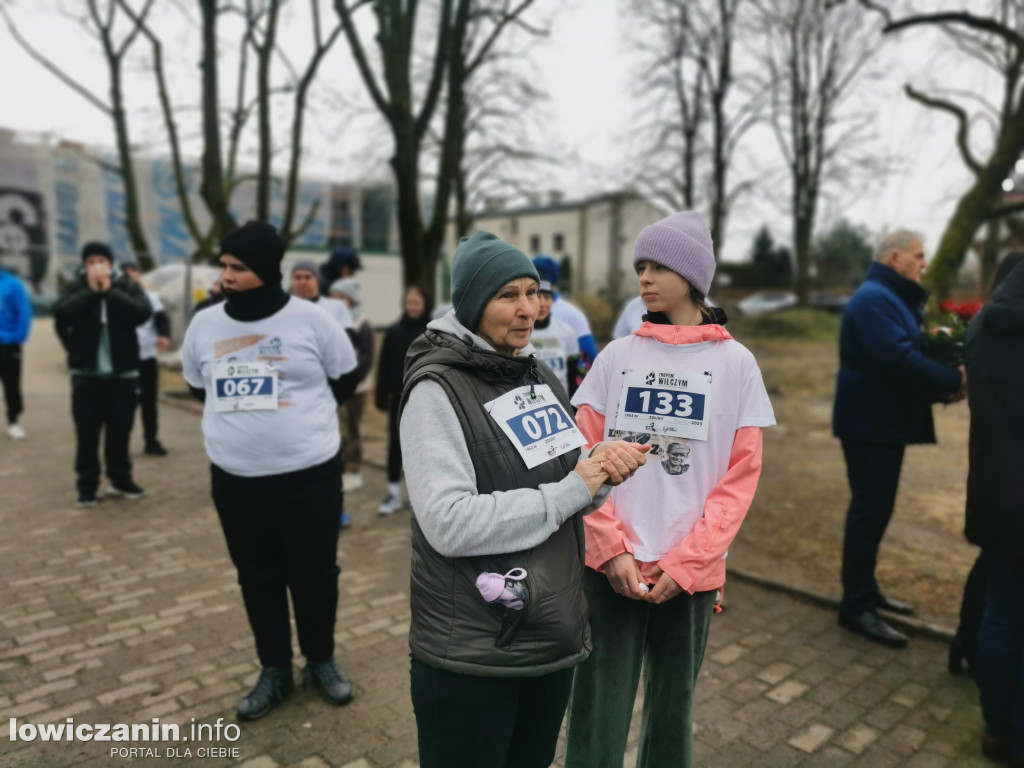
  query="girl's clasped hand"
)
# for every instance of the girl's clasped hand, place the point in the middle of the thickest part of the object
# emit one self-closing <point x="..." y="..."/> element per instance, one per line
<point x="626" y="578"/>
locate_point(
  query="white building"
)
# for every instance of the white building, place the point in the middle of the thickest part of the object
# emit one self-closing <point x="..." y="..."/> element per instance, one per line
<point x="593" y="237"/>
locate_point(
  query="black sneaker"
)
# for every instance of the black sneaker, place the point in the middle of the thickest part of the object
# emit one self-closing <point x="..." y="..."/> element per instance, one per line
<point x="127" y="490"/>
<point x="328" y="677"/>
<point x="155" y="449"/>
<point x="275" y="684"/>
<point x="86" y="499"/>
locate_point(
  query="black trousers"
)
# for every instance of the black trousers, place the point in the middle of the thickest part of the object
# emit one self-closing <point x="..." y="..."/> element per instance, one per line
<point x="148" y="381"/>
<point x="10" y="376"/>
<point x="465" y="721"/>
<point x="282" y="535"/>
<point x="107" y="406"/>
<point x="873" y="470"/>
<point x="394" y="442"/>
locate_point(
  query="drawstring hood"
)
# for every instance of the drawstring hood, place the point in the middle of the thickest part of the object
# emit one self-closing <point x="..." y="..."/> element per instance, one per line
<point x="451" y="343"/>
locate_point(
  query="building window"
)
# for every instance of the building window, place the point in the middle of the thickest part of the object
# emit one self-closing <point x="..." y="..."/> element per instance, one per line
<point x="514" y="226"/>
<point x="559" y="242"/>
<point x="534" y="243"/>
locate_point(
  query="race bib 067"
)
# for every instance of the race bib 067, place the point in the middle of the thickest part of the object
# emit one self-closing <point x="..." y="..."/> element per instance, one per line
<point x="244" y="386"/>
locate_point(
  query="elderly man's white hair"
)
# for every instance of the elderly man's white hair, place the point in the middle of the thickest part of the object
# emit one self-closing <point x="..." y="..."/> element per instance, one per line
<point x="899" y="240"/>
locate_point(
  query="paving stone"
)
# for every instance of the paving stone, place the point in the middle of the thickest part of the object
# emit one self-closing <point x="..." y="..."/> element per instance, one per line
<point x="775" y="673"/>
<point x="812" y="738"/>
<point x="858" y="738"/>
<point x="787" y="691"/>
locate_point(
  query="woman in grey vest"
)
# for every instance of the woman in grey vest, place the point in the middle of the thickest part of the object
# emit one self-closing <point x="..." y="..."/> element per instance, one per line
<point x="496" y="477"/>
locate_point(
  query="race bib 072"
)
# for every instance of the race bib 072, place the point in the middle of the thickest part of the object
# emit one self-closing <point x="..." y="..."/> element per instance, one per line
<point x="536" y="423"/>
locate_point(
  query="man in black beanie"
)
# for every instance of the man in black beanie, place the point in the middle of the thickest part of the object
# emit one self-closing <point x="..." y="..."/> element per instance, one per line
<point x="96" y="318"/>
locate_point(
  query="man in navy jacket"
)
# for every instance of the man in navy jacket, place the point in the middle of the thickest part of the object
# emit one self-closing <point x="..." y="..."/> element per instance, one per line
<point x="884" y="396"/>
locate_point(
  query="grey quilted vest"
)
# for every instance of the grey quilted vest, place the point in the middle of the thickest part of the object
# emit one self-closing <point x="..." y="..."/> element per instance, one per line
<point x="453" y="627"/>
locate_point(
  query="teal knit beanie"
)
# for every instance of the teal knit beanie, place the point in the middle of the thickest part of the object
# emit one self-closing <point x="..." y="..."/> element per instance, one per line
<point x="483" y="263"/>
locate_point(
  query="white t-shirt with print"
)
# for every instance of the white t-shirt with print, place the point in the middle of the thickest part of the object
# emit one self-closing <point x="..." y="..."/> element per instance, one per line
<point x="307" y="348"/>
<point x="663" y="501"/>
<point x="147" y="331"/>
<point x="571" y="315"/>
<point x="337" y="309"/>
<point x="630" y="318"/>
<point x="554" y="344"/>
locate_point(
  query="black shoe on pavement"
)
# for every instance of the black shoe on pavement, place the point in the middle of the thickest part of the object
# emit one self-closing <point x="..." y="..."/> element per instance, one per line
<point x="86" y="499"/>
<point x="155" y="449"/>
<point x="275" y="684"/>
<point x="127" y="490"/>
<point x="883" y="603"/>
<point x="873" y="627"/>
<point x="328" y="677"/>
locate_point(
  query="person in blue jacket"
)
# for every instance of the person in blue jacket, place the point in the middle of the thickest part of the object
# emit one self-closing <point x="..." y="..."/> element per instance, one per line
<point x="15" y="323"/>
<point x="565" y="312"/>
<point x="884" y="395"/>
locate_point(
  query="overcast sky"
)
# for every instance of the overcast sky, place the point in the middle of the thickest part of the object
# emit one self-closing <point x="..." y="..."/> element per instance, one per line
<point x="586" y="68"/>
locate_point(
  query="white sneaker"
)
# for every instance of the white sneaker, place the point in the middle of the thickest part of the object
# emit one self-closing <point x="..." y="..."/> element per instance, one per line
<point x="390" y="505"/>
<point x="15" y="432"/>
<point x="351" y="481"/>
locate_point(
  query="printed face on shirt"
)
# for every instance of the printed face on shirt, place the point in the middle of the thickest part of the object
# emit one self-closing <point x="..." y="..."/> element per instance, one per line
<point x="235" y="276"/>
<point x="507" y="321"/>
<point x="908" y="262"/>
<point x="661" y="289"/>
<point x="545" y="300"/>
<point x="676" y="455"/>
<point x="305" y="284"/>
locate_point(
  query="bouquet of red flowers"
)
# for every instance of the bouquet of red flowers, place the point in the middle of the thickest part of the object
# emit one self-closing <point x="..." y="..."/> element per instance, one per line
<point x="944" y="342"/>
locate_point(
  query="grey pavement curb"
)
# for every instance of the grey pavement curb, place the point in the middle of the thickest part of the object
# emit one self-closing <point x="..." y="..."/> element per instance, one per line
<point x="906" y="623"/>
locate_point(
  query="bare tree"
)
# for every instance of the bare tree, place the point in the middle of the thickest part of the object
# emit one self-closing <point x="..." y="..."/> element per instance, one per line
<point x="701" y="107"/>
<point x="101" y="19"/>
<point x="261" y="23"/>
<point x="410" y="115"/>
<point x="814" y="55"/>
<point x="995" y="40"/>
<point x="219" y="162"/>
<point x="408" y="120"/>
<point x="500" y="158"/>
<point x="491" y="99"/>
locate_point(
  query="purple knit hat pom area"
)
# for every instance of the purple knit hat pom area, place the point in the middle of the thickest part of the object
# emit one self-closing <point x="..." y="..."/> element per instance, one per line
<point x="682" y="243"/>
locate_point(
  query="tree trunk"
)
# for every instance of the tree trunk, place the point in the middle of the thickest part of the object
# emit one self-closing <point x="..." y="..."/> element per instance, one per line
<point x="212" y="188"/>
<point x="133" y="218"/>
<point x="453" y="142"/>
<point x="410" y="220"/>
<point x="803" y="230"/>
<point x="265" y="53"/>
<point x="974" y="208"/>
<point x="463" y="221"/>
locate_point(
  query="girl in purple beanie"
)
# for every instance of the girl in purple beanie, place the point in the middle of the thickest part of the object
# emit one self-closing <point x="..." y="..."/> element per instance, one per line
<point x="656" y="549"/>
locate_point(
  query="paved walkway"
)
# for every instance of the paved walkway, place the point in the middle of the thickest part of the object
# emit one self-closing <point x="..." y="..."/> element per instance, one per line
<point x="130" y="611"/>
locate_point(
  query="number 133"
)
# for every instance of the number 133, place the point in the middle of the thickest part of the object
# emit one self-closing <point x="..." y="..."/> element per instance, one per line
<point x="682" y="405"/>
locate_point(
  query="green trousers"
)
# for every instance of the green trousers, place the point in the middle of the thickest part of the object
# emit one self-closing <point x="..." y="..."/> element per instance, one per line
<point x="668" y="642"/>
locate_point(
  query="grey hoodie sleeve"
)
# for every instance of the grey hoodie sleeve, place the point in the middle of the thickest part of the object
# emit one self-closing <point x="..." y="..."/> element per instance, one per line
<point x="457" y="520"/>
